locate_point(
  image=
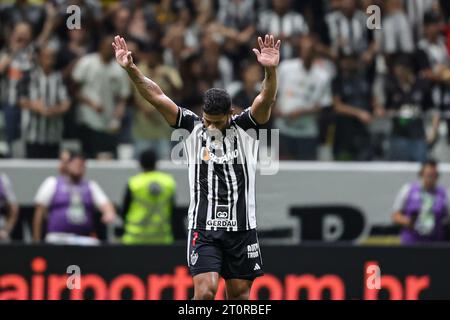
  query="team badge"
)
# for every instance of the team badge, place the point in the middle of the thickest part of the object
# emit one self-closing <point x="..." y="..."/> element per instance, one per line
<point x="194" y="257"/>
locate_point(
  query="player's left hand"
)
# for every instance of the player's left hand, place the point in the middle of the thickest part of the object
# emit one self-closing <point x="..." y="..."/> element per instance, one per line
<point x="269" y="53"/>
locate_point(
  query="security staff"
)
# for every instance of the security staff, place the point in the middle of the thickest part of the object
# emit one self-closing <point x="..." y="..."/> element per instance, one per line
<point x="148" y="205"/>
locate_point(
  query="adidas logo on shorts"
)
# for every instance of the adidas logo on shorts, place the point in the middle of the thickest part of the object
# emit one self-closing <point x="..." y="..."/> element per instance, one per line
<point x="257" y="267"/>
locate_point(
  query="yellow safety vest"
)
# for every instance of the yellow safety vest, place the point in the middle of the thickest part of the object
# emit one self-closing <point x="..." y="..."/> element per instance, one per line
<point x="148" y="220"/>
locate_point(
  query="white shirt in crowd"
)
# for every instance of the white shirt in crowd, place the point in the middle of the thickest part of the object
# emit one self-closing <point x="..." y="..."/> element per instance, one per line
<point x="415" y="10"/>
<point x="395" y="35"/>
<point x="103" y="84"/>
<point x="47" y="190"/>
<point x="348" y="35"/>
<point x="290" y="24"/>
<point x="302" y="89"/>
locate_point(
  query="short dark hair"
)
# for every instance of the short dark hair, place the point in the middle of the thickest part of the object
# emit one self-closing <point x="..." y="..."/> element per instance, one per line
<point x="148" y="160"/>
<point x="431" y="17"/>
<point x="75" y="154"/>
<point x="216" y="101"/>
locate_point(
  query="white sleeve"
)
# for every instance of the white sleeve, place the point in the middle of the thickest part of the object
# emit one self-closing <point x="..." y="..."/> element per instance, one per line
<point x="399" y="202"/>
<point x="81" y="69"/>
<point x="9" y="192"/>
<point x="46" y="191"/>
<point x="98" y="195"/>
<point x="322" y="91"/>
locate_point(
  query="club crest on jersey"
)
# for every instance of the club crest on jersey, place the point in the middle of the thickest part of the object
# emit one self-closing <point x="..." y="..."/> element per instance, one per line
<point x="194" y="257"/>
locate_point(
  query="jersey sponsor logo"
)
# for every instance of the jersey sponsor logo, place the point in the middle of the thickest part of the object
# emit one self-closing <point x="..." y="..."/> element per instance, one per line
<point x="253" y="251"/>
<point x="219" y="223"/>
<point x="208" y="155"/>
<point x="221" y="218"/>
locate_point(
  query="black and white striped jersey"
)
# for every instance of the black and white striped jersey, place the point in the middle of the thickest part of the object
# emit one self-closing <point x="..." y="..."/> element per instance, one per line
<point x="222" y="170"/>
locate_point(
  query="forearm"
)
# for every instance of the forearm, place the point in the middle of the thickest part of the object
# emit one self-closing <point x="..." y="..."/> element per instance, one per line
<point x="401" y="220"/>
<point x="4" y="64"/>
<point x="37" y="223"/>
<point x="435" y="123"/>
<point x="108" y="212"/>
<point x="83" y="99"/>
<point x="120" y="109"/>
<point x="12" y="217"/>
<point x="61" y="108"/>
<point x="346" y="109"/>
<point x="32" y="105"/>
<point x="151" y="92"/>
<point x="270" y="83"/>
<point x="146" y="87"/>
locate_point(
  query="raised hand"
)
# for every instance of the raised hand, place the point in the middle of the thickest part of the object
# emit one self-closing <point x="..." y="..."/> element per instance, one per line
<point x="123" y="56"/>
<point x="269" y="54"/>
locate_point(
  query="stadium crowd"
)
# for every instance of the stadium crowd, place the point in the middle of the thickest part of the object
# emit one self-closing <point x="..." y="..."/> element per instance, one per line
<point x="361" y="90"/>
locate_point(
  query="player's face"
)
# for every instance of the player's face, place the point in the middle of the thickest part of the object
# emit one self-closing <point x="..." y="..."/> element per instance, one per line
<point x="216" y="122"/>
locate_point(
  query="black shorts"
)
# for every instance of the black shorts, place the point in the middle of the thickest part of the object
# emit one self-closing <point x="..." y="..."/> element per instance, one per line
<point x="232" y="254"/>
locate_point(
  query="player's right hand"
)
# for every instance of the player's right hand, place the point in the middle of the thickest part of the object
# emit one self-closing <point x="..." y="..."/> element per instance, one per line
<point x="123" y="56"/>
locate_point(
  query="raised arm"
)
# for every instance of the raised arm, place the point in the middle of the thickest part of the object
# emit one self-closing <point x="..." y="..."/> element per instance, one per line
<point x="146" y="87"/>
<point x="269" y="57"/>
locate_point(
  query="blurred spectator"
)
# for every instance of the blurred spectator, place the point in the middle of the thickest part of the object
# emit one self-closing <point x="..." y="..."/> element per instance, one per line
<point x="348" y="33"/>
<point x="236" y="22"/>
<point x="251" y="80"/>
<point x="44" y="100"/>
<point x="15" y="62"/>
<point x="434" y="61"/>
<point x="395" y="35"/>
<point x="120" y="20"/>
<point x="165" y="13"/>
<point x="9" y="209"/>
<point x="148" y="204"/>
<point x="69" y="203"/>
<point x="150" y="130"/>
<point x="102" y="94"/>
<point x="23" y="11"/>
<point x="77" y="45"/>
<point x="406" y="102"/>
<point x="237" y="14"/>
<point x="416" y="10"/>
<point x="142" y="24"/>
<point x="191" y="73"/>
<point x="208" y="42"/>
<point x="284" y="23"/>
<point x="217" y="70"/>
<point x="303" y="83"/>
<point x="353" y="103"/>
<point x="421" y="208"/>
